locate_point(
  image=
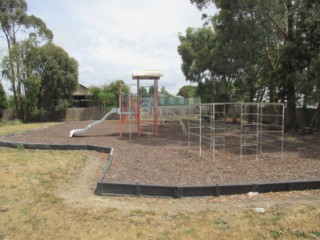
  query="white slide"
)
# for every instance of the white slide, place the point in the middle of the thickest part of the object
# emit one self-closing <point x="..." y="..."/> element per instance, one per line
<point x="74" y="131"/>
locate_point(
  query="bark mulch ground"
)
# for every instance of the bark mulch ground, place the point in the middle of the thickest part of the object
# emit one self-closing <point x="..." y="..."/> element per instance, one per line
<point x="166" y="160"/>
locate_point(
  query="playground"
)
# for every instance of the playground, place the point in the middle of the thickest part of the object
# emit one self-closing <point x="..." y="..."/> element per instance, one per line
<point x="166" y="160"/>
<point x="215" y="144"/>
<point x="50" y="193"/>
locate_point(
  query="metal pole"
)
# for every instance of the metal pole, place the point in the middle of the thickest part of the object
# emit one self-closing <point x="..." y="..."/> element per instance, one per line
<point x="130" y="112"/>
<point x="120" y="111"/>
<point x="200" y="133"/>
<point x="224" y="127"/>
<point x="282" y="130"/>
<point x="156" y="109"/>
<point x="260" y="127"/>
<point x="138" y="107"/>
<point x="188" y="116"/>
<point x="241" y="106"/>
<point x="257" y="133"/>
<point x="213" y="132"/>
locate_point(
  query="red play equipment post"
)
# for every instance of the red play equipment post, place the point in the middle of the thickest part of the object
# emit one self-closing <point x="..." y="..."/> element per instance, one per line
<point x="148" y="75"/>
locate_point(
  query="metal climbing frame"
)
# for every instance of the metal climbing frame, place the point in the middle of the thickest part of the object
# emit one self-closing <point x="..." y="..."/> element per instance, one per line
<point x="206" y="129"/>
<point x="218" y="127"/>
<point x="249" y="130"/>
<point x="271" y="128"/>
<point x="257" y="128"/>
<point x="127" y="109"/>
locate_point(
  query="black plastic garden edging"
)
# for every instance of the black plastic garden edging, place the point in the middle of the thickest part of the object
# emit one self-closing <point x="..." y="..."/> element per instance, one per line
<point x="105" y="188"/>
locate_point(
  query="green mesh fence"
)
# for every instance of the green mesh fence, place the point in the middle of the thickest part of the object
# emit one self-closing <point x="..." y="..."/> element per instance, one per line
<point x="177" y="101"/>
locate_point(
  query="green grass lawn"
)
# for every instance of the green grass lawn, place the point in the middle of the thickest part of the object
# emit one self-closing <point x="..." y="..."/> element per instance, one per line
<point x="14" y="127"/>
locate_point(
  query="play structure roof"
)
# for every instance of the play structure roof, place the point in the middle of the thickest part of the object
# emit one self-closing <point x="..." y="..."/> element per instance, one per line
<point x="147" y="74"/>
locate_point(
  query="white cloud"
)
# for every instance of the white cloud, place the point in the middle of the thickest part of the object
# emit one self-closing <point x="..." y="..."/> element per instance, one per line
<point x="111" y="38"/>
<point x="87" y="70"/>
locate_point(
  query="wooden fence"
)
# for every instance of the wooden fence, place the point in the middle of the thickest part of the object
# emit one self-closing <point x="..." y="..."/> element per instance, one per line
<point x="83" y="114"/>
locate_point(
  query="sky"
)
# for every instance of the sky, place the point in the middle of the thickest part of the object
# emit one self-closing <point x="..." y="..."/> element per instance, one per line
<point x="112" y="38"/>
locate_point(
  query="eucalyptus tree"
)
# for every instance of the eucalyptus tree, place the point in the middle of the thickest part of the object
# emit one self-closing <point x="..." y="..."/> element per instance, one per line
<point x="188" y="91"/>
<point x="202" y="63"/>
<point x="297" y="27"/>
<point x="17" y="25"/>
<point x="58" y="73"/>
<point x="3" y="97"/>
<point x="240" y="36"/>
<point x="21" y="62"/>
<point x="48" y="75"/>
<point x="273" y="45"/>
<point x="42" y="75"/>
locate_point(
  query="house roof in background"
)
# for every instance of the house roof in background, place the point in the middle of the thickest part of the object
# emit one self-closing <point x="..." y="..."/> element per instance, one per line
<point x="81" y="91"/>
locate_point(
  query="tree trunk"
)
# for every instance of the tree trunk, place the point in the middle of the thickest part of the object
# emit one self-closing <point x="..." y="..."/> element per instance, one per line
<point x="13" y="82"/>
<point x="290" y="81"/>
<point x="291" y="106"/>
<point x="303" y="124"/>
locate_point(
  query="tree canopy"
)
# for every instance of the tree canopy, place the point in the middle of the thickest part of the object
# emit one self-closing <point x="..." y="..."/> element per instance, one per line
<point x="256" y="51"/>
<point x="14" y="21"/>
<point x="59" y="78"/>
<point x="42" y="75"/>
<point x="188" y="91"/>
<point x="47" y="78"/>
<point x="107" y="96"/>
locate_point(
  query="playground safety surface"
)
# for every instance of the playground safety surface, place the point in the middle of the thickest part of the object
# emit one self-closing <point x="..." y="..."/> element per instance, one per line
<point x="165" y="160"/>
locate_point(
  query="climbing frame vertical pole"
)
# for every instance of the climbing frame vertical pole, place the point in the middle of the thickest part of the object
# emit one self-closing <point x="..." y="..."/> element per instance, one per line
<point x="156" y="109"/>
<point x="200" y="132"/>
<point x="120" y="111"/>
<point x="138" y="107"/>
